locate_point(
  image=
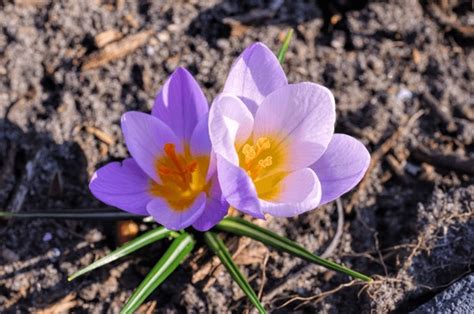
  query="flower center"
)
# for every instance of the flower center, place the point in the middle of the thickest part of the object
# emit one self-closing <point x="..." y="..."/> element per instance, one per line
<point x="180" y="171"/>
<point x="264" y="162"/>
<point x="183" y="177"/>
<point x="256" y="157"/>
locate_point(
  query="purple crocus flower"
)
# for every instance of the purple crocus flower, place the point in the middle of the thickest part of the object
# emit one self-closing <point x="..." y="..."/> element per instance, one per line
<point x="172" y="174"/>
<point x="275" y="145"/>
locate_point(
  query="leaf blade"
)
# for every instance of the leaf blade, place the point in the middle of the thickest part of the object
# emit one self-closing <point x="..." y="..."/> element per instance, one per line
<point x="284" y="47"/>
<point x="129" y="247"/>
<point x="242" y="227"/>
<point x="176" y="253"/>
<point x="219" y="248"/>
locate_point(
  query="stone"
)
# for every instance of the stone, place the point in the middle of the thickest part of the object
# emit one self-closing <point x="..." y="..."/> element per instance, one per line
<point x="458" y="298"/>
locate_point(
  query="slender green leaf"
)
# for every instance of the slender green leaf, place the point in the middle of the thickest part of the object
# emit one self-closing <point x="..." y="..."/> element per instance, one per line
<point x="129" y="247"/>
<point x="284" y="47"/>
<point x="219" y="248"/>
<point x="176" y="253"/>
<point x="72" y="214"/>
<point x="242" y="227"/>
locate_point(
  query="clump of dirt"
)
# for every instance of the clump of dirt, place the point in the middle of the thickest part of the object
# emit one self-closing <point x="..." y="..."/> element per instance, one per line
<point x="401" y="75"/>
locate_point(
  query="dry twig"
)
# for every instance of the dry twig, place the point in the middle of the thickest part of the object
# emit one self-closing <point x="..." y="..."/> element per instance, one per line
<point x="446" y="161"/>
<point x="319" y="297"/>
<point x="116" y="50"/>
<point x="378" y="155"/>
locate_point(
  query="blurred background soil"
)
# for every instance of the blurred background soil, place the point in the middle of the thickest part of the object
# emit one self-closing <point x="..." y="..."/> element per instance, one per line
<point x="401" y="73"/>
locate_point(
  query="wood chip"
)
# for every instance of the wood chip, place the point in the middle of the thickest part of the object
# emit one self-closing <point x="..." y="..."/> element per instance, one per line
<point x="131" y="20"/>
<point x="101" y="135"/>
<point x="105" y="38"/>
<point x="116" y="50"/>
<point x="237" y="29"/>
<point x="416" y="55"/>
<point x="33" y="3"/>
<point x="62" y="306"/>
<point x="126" y="230"/>
<point x="335" y="19"/>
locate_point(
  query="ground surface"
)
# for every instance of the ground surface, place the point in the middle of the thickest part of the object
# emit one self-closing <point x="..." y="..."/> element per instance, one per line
<point x="401" y="73"/>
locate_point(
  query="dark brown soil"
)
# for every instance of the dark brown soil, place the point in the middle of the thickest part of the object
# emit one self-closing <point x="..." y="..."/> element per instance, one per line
<point x="401" y="73"/>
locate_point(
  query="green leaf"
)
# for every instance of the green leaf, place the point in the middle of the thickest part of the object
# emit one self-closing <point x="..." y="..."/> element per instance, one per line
<point x="219" y="248"/>
<point x="176" y="253"/>
<point x="284" y="47"/>
<point x="242" y="227"/>
<point x="129" y="247"/>
<point x="72" y="214"/>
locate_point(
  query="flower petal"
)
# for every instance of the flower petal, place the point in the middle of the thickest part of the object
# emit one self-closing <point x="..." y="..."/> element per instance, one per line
<point x="301" y="117"/>
<point x="173" y="219"/>
<point x="230" y="125"/>
<point x="216" y="208"/>
<point x="200" y="140"/>
<point x="145" y="137"/>
<point x="180" y="103"/>
<point x="238" y="188"/>
<point x="255" y="74"/>
<point x="341" y="167"/>
<point x="299" y="192"/>
<point x="123" y="185"/>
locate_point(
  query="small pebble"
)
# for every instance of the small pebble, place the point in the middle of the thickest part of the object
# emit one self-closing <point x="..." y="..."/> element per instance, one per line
<point x="163" y="36"/>
<point x="150" y="50"/>
<point x="55" y="252"/>
<point x="9" y="255"/>
<point x="47" y="237"/>
<point x="404" y="94"/>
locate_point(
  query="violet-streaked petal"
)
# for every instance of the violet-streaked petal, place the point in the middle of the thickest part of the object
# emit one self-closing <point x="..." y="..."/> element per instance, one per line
<point x="123" y="185"/>
<point x="298" y="192"/>
<point x="341" y="167"/>
<point x="255" y="74"/>
<point x="301" y="118"/>
<point x="173" y="219"/>
<point x="215" y="210"/>
<point x="145" y="137"/>
<point x="180" y="103"/>
<point x="238" y="188"/>
<point x="230" y="125"/>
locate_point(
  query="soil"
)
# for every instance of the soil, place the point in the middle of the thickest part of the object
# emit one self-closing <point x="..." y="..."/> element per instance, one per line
<point x="401" y="73"/>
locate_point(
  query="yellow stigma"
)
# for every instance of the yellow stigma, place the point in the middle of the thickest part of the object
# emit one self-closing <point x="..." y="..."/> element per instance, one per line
<point x="249" y="152"/>
<point x="267" y="162"/>
<point x="256" y="157"/>
<point x="263" y="143"/>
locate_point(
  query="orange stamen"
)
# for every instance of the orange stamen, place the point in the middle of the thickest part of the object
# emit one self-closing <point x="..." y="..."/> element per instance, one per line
<point x="192" y="166"/>
<point x="170" y="151"/>
<point x="181" y="175"/>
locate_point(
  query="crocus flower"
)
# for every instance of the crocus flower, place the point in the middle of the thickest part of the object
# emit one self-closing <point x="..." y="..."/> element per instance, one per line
<point x="275" y="145"/>
<point x="171" y="175"/>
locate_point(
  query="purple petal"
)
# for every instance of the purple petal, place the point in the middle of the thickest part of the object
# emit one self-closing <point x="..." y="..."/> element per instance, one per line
<point x="174" y="219"/>
<point x="200" y="141"/>
<point x="341" y="167"/>
<point x="230" y="125"/>
<point x="180" y="104"/>
<point x="123" y="185"/>
<point x="298" y="192"/>
<point x="216" y="208"/>
<point x="238" y="188"/>
<point x="255" y="74"/>
<point x="300" y="117"/>
<point x="145" y="137"/>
